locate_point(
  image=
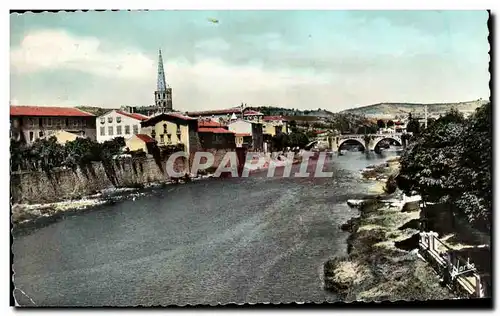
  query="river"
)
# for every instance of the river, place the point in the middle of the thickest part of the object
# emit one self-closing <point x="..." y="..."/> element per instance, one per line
<point x="243" y="240"/>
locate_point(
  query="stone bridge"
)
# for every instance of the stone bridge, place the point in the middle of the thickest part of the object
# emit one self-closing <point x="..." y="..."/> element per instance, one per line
<point x="369" y="141"/>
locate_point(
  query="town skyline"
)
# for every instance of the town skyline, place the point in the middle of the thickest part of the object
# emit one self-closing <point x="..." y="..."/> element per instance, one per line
<point x="62" y="60"/>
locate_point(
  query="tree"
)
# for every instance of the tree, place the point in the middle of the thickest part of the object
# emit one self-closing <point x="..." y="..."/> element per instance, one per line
<point x="451" y="162"/>
<point x="475" y="174"/>
<point x="280" y="141"/>
<point x="390" y="123"/>
<point x="298" y="139"/>
<point x="380" y="123"/>
<point x="428" y="162"/>
<point x="413" y="126"/>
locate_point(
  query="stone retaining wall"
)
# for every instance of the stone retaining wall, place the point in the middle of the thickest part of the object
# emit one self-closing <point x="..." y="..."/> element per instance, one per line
<point x="63" y="184"/>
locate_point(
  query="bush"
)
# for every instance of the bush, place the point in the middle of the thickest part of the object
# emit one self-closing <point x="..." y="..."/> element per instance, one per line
<point x="390" y="185"/>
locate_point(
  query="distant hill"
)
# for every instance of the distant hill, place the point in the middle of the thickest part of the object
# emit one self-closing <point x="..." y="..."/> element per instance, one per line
<point x="97" y="111"/>
<point x="404" y="108"/>
<point x="273" y="110"/>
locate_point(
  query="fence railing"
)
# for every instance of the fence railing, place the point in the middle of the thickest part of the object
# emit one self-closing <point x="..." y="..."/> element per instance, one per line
<point x="455" y="270"/>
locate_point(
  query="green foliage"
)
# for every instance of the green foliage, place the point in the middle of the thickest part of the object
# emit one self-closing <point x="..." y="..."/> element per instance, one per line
<point x="47" y="154"/>
<point x="380" y="124"/>
<point x="451" y="162"/>
<point x="280" y="141"/>
<point x="413" y="126"/>
<point x="295" y="139"/>
<point x="298" y="139"/>
<point x="390" y="185"/>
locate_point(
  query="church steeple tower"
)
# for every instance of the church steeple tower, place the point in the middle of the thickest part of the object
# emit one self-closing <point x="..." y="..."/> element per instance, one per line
<point x="163" y="93"/>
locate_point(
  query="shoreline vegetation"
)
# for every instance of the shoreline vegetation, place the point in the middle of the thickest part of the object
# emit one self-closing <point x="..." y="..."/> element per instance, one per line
<point x="382" y="261"/>
<point x="449" y="165"/>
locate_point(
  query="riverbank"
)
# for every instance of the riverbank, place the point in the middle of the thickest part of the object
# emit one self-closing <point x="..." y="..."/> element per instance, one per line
<point x="382" y="261"/>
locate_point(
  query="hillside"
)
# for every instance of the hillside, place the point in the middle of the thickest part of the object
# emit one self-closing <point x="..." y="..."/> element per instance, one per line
<point x="97" y="111"/>
<point x="273" y="110"/>
<point x="403" y="108"/>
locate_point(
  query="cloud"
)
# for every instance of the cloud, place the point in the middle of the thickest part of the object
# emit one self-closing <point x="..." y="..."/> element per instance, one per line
<point x="57" y="49"/>
<point x="54" y="67"/>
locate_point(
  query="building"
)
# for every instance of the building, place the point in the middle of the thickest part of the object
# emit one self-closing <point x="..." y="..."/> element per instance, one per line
<point x="243" y="140"/>
<point x="117" y="123"/>
<point x="140" y="142"/>
<point x="169" y="129"/>
<point x="162" y="96"/>
<point x="29" y="123"/>
<point x="215" y="135"/>
<point x="243" y="129"/>
<point x="273" y="125"/>
<point x="62" y="137"/>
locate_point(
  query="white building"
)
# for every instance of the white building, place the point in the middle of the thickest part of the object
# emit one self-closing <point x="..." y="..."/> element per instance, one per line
<point x="247" y="131"/>
<point x="118" y="123"/>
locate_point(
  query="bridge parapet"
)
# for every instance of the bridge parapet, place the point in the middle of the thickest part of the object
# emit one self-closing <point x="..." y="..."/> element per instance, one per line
<point x="368" y="141"/>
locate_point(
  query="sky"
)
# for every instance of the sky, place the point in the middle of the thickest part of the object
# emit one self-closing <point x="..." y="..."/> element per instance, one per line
<point x="332" y="60"/>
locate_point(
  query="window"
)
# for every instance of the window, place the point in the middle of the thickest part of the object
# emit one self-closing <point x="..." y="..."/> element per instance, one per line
<point x="127" y="129"/>
<point x="164" y="128"/>
<point x="136" y="129"/>
<point x="76" y="122"/>
<point x="110" y="119"/>
<point x="110" y="130"/>
<point x="103" y="131"/>
<point x="40" y="134"/>
<point x="40" y="122"/>
<point x="49" y="121"/>
<point x="118" y="119"/>
<point x="169" y="138"/>
<point x="119" y="130"/>
<point x="31" y="136"/>
<point x="103" y="120"/>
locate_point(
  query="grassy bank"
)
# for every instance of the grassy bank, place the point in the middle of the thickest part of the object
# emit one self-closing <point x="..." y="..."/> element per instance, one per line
<point x="381" y="264"/>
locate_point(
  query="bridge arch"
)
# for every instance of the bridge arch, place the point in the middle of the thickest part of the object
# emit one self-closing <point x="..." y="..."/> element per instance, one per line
<point x="350" y="140"/>
<point x="396" y="139"/>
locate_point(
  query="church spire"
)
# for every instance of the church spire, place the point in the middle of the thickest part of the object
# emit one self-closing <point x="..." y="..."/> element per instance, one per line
<point x="163" y="93"/>
<point x="161" y="84"/>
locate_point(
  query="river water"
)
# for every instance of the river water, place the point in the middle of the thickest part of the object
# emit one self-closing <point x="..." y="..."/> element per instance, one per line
<point x="241" y="240"/>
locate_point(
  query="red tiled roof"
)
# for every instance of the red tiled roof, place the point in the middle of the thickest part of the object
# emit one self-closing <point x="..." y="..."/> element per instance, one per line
<point x="243" y="134"/>
<point x="218" y="130"/>
<point x="209" y="124"/>
<point x="46" y="111"/>
<point x="136" y="116"/>
<point x="178" y="115"/>
<point x="319" y="132"/>
<point x="274" y="118"/>
<point x="251" y="112"/>
<point x="145" y="138"/>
